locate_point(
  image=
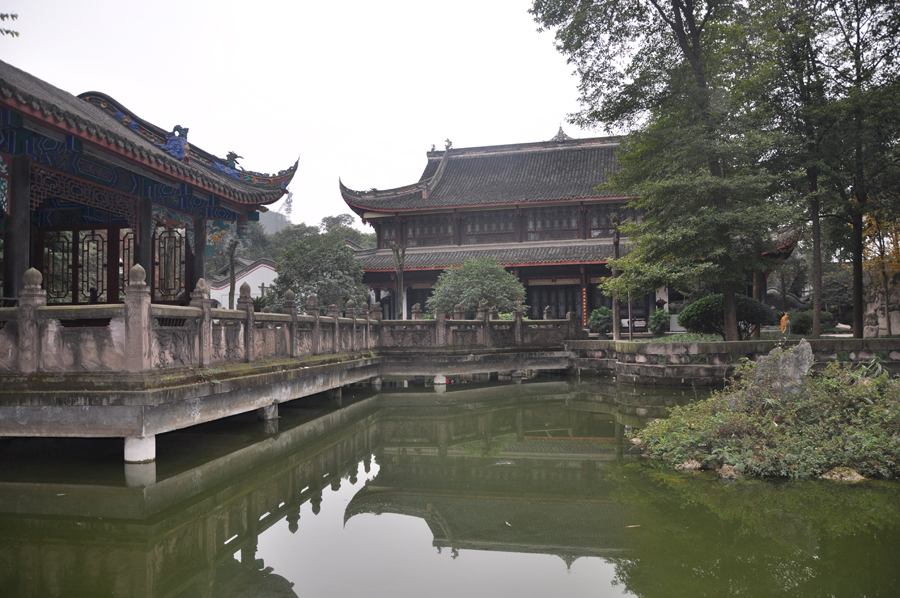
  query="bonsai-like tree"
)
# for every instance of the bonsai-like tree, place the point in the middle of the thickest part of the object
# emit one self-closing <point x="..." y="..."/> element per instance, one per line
<point x="477" y="280"/>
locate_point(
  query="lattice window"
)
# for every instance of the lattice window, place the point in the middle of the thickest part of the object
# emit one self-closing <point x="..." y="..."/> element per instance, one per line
<point x="58" y="265"/>
<point x="600" y="218"/>
<point x="170" y="273"/>
<point x="389" y="234"/>
<point x="551" y="223"/>
<point x="429" y="230"/>
<point x="92" y="266"/>
<point x="126" y="257"/>
<point x="489" y="227"/>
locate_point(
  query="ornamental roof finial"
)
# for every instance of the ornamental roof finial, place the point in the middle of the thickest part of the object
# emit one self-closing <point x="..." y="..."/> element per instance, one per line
<point x="448" y="144"/>
<point x="560" y="136"/>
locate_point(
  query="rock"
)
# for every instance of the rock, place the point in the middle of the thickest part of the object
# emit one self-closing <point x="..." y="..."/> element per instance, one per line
<point x="727" y="472"/>
<point x="784" y="370"/>
<point x="635" y="441"/>
<point x="689" y="465"/>
<point x="842" y="474"/>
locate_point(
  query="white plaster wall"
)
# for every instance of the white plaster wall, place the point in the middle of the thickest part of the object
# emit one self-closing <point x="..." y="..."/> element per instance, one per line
<point x="261" y="273"/>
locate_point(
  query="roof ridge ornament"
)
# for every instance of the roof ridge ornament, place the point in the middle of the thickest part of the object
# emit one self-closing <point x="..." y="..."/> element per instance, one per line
<point x="561" y="136"/>
<point x="432" y="183"/>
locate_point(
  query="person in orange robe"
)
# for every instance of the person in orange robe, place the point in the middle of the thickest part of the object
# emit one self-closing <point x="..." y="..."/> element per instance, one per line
<point x="784" y="322"/>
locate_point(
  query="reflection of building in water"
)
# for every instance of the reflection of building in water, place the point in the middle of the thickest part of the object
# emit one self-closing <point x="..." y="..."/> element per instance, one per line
<point x="523" y="474"/>
<point x="193" y="533"/>
<point x="512" y="467"/>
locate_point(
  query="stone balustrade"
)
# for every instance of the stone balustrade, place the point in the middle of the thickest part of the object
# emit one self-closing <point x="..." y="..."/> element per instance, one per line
<point x="139" y="336"/>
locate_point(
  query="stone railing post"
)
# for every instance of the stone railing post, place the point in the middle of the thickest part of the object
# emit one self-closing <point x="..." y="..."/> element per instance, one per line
<point x="312" y="309"/>
<point x="547" y="313"/>
<point x="440" y="328"/>
<point x="333" y="312"/>
<point x="486" y="323"/>
<point x="519" y="329"/>
<point x="364" y="312"/>
<point x="245" y="304"/>
<point x="290" y="308"/>
<point x="458" y="313"/>
<point x="572" y="328"/>
<point x="417" y="311"/>
<point x="200" y="298"/>
<point x="350" y="312"/>
<point x="138" y="329"/>
<point x="31" y="297"/>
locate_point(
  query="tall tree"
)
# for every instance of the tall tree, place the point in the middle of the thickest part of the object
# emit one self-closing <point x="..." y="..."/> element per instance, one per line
<point x="667" y="69"/>
<point x="323" y="266"/>
<point x="862" y="57"/>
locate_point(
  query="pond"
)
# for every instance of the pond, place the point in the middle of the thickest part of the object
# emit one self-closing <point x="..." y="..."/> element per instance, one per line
<point x="487" y="489"/>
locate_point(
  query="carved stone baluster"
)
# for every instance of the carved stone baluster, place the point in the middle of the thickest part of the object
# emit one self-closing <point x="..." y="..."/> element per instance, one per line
<point x="350" y="312"/>
<point x="290" y="308"/>
<point x="138" y="330"/>
<point x="245" y="304"/>
<point x="31" y="297"/>
<point x="312" y="309"/>
<point x="200" y="298"/>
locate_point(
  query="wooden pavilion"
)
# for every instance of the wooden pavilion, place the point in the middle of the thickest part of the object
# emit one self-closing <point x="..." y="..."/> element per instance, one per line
<point x="88" y="189"/>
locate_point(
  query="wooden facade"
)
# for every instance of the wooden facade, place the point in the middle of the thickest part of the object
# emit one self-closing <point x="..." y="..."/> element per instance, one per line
<point x="535" y="207"/>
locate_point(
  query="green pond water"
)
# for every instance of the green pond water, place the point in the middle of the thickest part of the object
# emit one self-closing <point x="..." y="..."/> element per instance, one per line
<point x="486" y="489"/>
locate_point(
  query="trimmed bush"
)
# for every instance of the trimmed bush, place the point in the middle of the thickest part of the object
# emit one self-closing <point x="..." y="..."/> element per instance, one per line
<point x="801" y="321"/>
<point x="707" y="316"/>
<point x="659" y="322"/>
<point x="601" y="320"/>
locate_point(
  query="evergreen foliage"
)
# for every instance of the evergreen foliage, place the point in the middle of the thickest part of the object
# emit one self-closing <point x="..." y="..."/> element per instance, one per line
<point x="706" y="316"/>
<point x="324" y="266"/>
<point x="601" y="320"/>
<point x="477" y="280"/>
<point x="660" y="321"/>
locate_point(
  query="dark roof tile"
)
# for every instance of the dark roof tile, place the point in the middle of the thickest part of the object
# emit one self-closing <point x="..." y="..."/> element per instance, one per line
<point x="505" y="174"/>
<point x="508" y="254"/>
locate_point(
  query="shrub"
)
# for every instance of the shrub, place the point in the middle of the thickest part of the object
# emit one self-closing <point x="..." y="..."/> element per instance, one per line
<point x="477" y="280"/>
<point x="707" y="316"/>
<point x="601" y="320"/>
<point x="843" y="417"/>
<point x="801" y="321"/>
<point x="659" y="322"/>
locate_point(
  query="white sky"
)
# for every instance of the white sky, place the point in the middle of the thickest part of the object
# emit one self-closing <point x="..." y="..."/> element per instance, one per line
<point x="358" y="89"/>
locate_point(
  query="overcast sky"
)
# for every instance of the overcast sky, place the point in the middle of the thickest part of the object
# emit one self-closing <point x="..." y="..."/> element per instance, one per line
<point x="358" y="89"/>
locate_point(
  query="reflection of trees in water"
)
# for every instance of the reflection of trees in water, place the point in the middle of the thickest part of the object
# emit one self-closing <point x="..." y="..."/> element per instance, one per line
<point x="702" y="537"/>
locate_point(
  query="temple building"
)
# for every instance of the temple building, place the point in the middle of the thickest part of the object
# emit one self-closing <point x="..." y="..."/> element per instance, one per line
<point x="535" y="207"/>
<point x="88" y="189"/>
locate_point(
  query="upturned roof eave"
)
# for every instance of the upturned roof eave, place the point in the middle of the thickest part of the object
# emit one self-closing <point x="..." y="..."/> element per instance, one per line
<point x="109" y="144"/>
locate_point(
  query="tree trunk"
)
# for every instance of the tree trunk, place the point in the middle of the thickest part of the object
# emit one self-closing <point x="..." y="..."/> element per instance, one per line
<point x="729" y="306"/>
<point x="817" y="256"/>
<point x="617" y="320"/>
<point x="759" y="284"/>
<point x="399" y="252"/>
<point x="856" y="250"/>
<point x="231" y="248"/>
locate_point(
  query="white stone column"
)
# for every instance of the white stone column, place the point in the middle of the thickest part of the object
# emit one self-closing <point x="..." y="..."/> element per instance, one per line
<point x="140" y="449"/>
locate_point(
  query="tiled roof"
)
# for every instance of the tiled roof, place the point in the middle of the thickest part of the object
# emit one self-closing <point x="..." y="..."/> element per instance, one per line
<point x="502" y="174"/>
<point x="508" y="254"/>
<point x="20" y="90"/>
